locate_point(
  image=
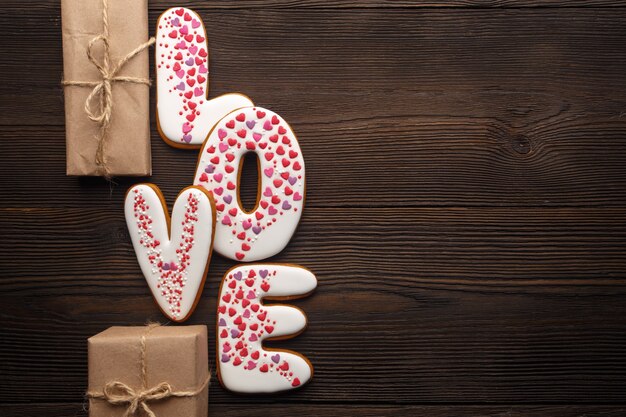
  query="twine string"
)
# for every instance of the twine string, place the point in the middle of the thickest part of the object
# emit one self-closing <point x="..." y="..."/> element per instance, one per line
<point x="102" y="92"/>
<point x="118" y="393"/>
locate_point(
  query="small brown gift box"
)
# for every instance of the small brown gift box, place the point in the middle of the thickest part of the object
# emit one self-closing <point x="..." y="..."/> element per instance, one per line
<point x="177" y="356"/>
<point x="126" y="146"/>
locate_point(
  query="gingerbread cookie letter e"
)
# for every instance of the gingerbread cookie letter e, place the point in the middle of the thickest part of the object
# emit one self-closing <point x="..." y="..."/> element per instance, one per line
<point x="244" y="322"/>
<point x="174" y="257"/>
<point x="266" y="230"/>
<point x="184" y="114"/>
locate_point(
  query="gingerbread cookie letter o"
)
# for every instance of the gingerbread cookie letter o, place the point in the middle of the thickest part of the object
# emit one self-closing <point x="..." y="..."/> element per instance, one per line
<point x="184" y="114"/>
<point x="173" y="256"/>
<point x="244" y="322"/>
<point x="265" y="231"/>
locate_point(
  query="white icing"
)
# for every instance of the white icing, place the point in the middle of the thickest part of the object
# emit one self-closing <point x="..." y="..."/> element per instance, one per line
<point x="173" y="267"/>
<point x="187" y="73"/>
<point x="241" y="293"/>
<point x="268" y="229"/>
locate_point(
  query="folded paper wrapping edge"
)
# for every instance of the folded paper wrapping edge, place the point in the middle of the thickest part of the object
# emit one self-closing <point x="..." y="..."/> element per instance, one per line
<point x="128" y="141"/>
<point x="176" y="360"/>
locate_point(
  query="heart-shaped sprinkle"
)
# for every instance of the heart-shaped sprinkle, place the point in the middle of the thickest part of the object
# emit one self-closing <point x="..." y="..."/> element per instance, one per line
<point x="292" y="180"/>
<point x="228" y="199"/>
<point x="286" y="205"/>
<point x="253" y="337"/>
<point x="198" y="91"/>
<point x="297" y="196"/>
<point x="234" y="333"/>
<point x="223" y="147"/>
<point x="251" y="365"/>
<point x="272" y="210"/>
<point x="268" y="172"/>
<point x="195" y="24"/>
<point x="257" y="230"/>
<point x="187" y="138"/>
<point x="250" y="124"/>
<point x="186" y="127"/>
<point x="246" y="224"/>
<point x="225" y="358"/>
<point x="276" y="358"/>
<point x="189" y="62"/>
<point x="202" y="69"/>
<point x="176" y="22"/>
<point x="263" y="273"/>
<point x="209" y="169"/>
<point x="222" y="322"/>
<point x="193" y="49"/>
<point x="237" y="275"/>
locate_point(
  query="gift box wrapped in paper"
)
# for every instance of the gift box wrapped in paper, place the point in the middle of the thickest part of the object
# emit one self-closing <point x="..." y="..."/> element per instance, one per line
<point x="160" y="367"/>
<point x="106" y="84"/>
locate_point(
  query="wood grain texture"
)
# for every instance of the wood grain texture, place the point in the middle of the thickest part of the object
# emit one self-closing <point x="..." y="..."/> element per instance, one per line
<point x="417" y="306"/>
<point x="459" y="107"/>
<point x="234" y="410"/>
<point x="466" y="207"/>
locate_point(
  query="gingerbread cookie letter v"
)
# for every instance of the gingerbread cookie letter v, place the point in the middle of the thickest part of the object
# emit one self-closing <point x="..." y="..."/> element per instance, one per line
<point x="173" y="257"/>
<point x="185" y="116"/>
<point x="244" y="322"/>
<point x="266" y="230"/>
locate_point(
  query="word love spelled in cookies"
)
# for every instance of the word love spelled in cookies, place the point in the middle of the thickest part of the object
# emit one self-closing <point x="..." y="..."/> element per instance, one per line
<point x="174" y="254"/>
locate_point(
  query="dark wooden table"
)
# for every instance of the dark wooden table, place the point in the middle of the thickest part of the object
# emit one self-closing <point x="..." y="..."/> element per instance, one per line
<point x="466" y="210"/>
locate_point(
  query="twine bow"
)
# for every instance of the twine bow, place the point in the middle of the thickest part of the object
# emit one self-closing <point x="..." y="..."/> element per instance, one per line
<point x="99" y="103"/>
<point x="118" y="393"/>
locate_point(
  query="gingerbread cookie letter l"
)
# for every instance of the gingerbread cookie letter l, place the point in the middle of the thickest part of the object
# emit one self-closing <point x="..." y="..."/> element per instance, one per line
<point x="266" y="230"/>
<point x="184" y="114"/>
<point x="244" y="322"/>
<point x="173" y="255"/>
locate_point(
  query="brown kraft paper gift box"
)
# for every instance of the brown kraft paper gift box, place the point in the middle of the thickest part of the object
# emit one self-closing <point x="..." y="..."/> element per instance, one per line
<point x="177" y="355"/>
<point x="126" y="149"/>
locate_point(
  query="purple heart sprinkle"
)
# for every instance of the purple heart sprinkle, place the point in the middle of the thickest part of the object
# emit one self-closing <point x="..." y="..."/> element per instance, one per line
<point x="209" y="169"/>
<point x="228" y="199"/>
<point x="222" y="323"/>
<point x="250" y="124"/>
<point x="286" y="205"/>
<point x="187" y="138"/>
<point x="276" y="358"/>
<point x="234" y="333"/>
<point x="292" y="180"/>
<point x="257" y="230"/>
<point x="225" y="358"/>
<point x="263" y="273"/>
<point x="166" y="266"/>
<point x="237" y="276"/>
<point x="189" y="62"/>
<point x="176" y="22"/>
<point x="181" y="86"/>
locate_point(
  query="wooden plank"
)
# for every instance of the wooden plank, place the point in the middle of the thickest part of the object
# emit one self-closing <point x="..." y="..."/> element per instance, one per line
<point x="512" y="70"/>
<point x="423" y="163"/>
<point x="513" y="248"/>
<point x="414" y="306"/>
<point x="236" y="410"/>
<point x="349" y="4"/>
